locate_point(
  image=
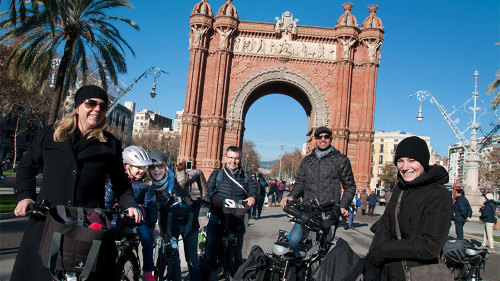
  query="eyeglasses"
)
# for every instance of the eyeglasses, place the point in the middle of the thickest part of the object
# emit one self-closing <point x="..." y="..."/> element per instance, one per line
<point x="326" y="137"/>
<point x="158" y="166"/>
<point x="233" y="158"/>
<point x="92" y="104"/>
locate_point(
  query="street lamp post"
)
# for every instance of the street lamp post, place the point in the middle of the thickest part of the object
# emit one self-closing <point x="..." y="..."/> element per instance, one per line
<point x="281" y="157"/>
<point x="471" y="152"/>
<point x="153" y="71"/>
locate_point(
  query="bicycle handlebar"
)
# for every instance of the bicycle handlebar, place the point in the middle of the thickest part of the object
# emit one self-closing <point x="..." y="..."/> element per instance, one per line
<point x="312" y="214"/>
<point x="39" y="209"/>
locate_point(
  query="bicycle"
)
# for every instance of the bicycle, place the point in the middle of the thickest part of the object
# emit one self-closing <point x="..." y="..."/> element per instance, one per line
<point x="127" y="243"/>
<point x="464" y="260"/>
<point x="303" y="261"/>
<point x="166" y="247"/>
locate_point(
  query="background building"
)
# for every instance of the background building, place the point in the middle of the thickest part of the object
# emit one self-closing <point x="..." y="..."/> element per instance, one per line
<point x="456" y="168"/>
<point x="121" y="121"/>
<point x="383" y="151"/>
<point x="146" y="120"/>
<point x="178" y="121"/>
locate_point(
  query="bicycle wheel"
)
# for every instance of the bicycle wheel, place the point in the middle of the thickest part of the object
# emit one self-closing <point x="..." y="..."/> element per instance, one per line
<point x="128" y="267"/>
<point x="161" y="267"/>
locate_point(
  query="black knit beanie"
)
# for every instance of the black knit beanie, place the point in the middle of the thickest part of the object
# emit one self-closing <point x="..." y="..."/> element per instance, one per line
<point x="88" y="92"/>
<point x="413" y="147"/>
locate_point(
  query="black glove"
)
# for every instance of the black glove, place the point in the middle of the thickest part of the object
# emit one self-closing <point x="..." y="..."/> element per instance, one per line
<point x="370" y="271"/>
<point x="375" y="256"/>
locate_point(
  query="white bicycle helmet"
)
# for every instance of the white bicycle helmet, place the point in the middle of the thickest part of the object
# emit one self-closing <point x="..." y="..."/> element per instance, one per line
<point x="136" y="156"/>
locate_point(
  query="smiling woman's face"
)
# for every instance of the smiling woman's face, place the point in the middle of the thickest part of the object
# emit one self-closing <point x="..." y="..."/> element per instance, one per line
<point x="409" y="168"/>
<point x="89" y="115"/>
<point x="158" y="170"/>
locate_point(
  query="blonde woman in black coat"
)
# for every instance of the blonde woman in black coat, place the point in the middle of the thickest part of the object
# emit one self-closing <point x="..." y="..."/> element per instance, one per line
<point x="76" y="156"/>
<point x="424" y="216"/>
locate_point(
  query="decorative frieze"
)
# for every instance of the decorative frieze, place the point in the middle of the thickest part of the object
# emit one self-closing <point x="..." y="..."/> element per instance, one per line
<point x="284" y="47"/>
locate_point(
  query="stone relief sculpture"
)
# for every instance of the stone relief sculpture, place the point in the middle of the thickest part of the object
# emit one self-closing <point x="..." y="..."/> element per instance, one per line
<point x="286" y="23"/>
<point x="224" y="35"/>
<point x="346" y="44"/>
<point x="284" y="47"/>
<point x="372" y="49"/>
<point x="197" y="33"/>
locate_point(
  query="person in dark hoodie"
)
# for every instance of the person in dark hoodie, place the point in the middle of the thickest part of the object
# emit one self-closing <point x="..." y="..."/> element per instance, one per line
<point x="424" y="215"/>
<point x="462" y="212"/>
<point x="488" y="217"/>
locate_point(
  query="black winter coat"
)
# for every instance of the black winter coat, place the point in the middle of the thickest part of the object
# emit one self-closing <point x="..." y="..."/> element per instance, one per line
<point x="224" y="188"/>
<point x="461" y="209"/>
<point x="424" y="220"/>
<point x="74" y="173"/>
<point x="323" y="178"/>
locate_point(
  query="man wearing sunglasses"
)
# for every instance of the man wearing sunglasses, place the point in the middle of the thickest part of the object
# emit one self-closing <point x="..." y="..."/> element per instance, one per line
<point x="321" y="175"/>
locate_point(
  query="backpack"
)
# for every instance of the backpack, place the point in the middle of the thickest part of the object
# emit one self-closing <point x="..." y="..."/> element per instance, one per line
<point x="454" y="252"/>
<point x="257" y="267"/>
<point x="341" y="263"/>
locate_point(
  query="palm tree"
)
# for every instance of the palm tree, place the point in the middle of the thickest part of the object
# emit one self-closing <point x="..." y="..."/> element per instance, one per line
<point x="492" y="88"/>
<point x="85" y="29"/>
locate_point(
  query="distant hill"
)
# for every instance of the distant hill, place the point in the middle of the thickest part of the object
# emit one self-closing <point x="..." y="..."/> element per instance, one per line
<point x="267" y="164"/>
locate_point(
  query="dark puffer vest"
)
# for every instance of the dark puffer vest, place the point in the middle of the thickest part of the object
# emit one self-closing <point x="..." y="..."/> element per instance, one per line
<point x="322" y="178"/>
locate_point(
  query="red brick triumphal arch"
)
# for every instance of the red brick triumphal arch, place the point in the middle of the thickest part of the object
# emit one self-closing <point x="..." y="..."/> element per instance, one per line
<point x="330" y="71"/>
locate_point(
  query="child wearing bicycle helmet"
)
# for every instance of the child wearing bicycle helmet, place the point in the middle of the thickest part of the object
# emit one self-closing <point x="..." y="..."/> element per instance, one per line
<point x="136" y="161"/>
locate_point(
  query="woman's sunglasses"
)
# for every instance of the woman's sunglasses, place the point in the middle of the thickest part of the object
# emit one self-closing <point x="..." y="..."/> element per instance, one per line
<point x="156" y="166"/>
<point x="92" y="104"/>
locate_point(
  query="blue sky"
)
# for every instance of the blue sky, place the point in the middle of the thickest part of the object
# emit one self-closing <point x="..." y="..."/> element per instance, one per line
<point x="428" y="45"/>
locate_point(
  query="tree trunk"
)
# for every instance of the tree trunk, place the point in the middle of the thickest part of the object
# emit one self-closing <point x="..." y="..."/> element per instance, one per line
<point x="61" y="73"/>
<point x="15" y="142"/>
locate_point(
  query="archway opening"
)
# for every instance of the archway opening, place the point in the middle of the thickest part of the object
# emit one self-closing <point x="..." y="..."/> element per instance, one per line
<point x="273" y="115"/>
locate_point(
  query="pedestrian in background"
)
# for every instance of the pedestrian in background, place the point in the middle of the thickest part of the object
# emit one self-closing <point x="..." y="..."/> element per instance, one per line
<point x="372" y="201"/>
<point x="273" y="190"/>
<point x="489" y="219"/>
<point x="352" y="213"/>
<point x="261" y="194"/>
<point x="281" y="188"/>
<point x="462" y="212"/>
<point x="364" y="201"/>
<point x="388" y="195"/>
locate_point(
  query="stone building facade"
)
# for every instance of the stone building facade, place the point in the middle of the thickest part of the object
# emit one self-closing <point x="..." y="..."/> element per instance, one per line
<point x="384" y="149"/>
<point x="330" y="71"/>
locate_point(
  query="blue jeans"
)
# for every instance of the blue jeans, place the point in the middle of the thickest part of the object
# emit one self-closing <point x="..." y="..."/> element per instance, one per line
<point x="213" y="243"/>
<point x="296" y="234"/>
<point x="256" y="209"/>
<point x="351" y="218"/>
<point x="191" y="255"/>
<point x="146" y="237"/>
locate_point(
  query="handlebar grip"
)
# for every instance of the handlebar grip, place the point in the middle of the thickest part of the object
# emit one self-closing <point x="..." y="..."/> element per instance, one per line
<point x="296" y="213"/>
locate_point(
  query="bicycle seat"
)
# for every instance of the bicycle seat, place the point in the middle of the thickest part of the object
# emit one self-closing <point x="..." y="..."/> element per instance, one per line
<point x="284" y="248"/>
<point x="474" y="252"/>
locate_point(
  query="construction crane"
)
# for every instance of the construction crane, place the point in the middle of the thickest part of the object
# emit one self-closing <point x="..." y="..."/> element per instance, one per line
<point x="153" y="71"/>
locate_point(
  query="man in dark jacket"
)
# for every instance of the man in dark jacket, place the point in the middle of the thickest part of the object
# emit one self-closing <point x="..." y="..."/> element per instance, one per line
<point x="226" y="186"/>
<point x="321" y="176"/>
<point x="462" y="212"/>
